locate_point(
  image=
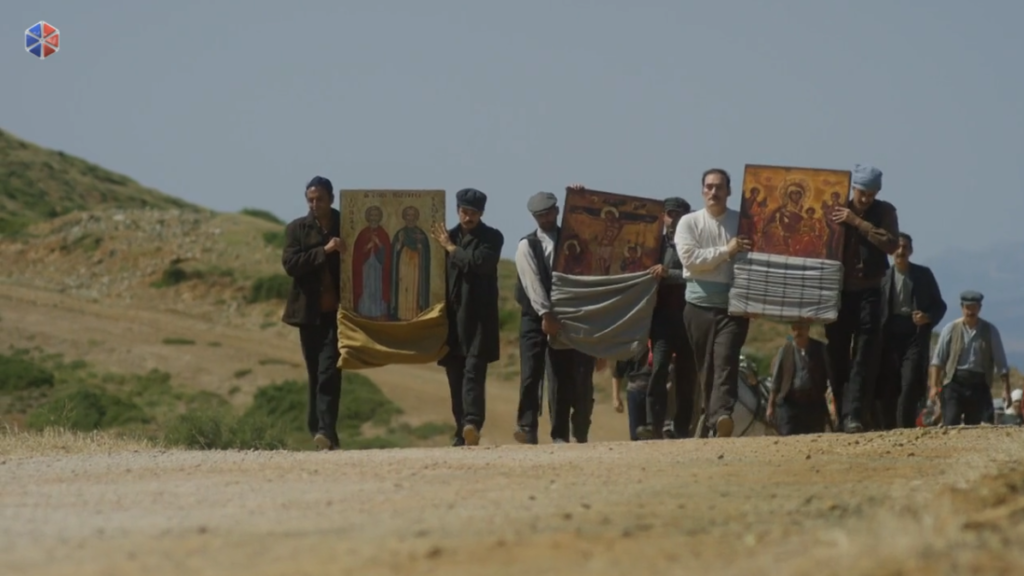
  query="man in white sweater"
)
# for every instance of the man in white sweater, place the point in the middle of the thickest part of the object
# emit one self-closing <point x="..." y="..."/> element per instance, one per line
<point x="707" y="243"/>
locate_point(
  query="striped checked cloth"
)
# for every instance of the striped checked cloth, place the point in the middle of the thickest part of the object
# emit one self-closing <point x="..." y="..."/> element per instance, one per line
<point x="786" y="288"/>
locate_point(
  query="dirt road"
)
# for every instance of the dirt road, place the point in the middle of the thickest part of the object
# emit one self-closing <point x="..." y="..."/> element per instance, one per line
<point x="872" y="504"/>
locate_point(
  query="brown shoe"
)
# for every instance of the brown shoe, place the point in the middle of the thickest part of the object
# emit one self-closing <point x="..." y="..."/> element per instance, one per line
<point x="723" y="427"/>
<point x="471" y="434"/>
<point x="323" y="442"/>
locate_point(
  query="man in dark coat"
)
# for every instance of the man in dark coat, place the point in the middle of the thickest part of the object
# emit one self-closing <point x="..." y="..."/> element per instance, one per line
<point x="473" y="250"/>
<point x="669" y="341"/>
<point x="312" y="257"/>
<point x="912" y="306"/>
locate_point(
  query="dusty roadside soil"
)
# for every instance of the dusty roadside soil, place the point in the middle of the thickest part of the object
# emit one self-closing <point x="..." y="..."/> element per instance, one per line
<point x="909" y="503"/>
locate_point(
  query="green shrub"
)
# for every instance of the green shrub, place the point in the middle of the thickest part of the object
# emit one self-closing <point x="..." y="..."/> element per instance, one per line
<point x="207" y="401"/>
<point x="267" y="288"/>
<point x="201" y="430"/>
<point x="86" y="409"/>
<point x="762" y="363"/>
<point x="172" y="276"/>
<point x="362" y="402"/>
<point x="261" y="214"/>
<point x="18" y="373"/>
<point x="508" y="319"/>
<point x="175" y="274"/>
<point x="274" y="239"/>
<point x="218" y="429"/>
<point x="176" y="341"/>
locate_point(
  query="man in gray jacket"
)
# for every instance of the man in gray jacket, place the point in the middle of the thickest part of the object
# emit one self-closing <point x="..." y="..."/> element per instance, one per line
<point x="968" y="357"/>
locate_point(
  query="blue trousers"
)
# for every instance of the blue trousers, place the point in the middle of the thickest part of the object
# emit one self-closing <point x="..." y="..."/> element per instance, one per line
<point x="636" y="409"/>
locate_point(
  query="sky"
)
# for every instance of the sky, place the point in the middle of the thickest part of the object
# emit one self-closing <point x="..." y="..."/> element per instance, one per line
<point x="233" y="104"/>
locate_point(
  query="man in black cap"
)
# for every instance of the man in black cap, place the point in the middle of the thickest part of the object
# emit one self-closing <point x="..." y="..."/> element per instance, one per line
<point x="668" y="336"/>
<point x="312" y="257"/>
<point x="534" y="260"/>
<point x="968" y="357"/>
<point x="912" y="306"/>
<point x="473" y="251"/>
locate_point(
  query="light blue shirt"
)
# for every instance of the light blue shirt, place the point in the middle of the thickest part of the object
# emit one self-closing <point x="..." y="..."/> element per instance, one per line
<point x="970" y="357"/>
<point x="708" y="293"/>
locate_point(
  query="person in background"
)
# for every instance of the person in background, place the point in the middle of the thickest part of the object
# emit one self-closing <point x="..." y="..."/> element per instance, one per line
<point x="471" y="268"/>
<point x="534" y="260"/>
<point x="675" y="419"/>
<point x="968" y="358"/>
<point x="669" y="342"/>
<point x="312" y="258"/>
<point x="912" y="306"/>
<point x="871" y="231"/>
<point x="706" y="241"/>
<point x="636" y="373"/>
<point x="796" y="403"/>
<point x="1013" y="416"/>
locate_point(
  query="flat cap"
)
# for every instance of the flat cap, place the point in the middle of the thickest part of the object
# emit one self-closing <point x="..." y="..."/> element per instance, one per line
<point x="971" y="297"/>
<point x="867" y="178"/>
<point x="541" y="202"/>
<point x="471" y="198"/>
<point x="676" y="203"/>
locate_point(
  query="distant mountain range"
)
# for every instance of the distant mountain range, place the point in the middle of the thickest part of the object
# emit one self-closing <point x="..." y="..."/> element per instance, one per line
<point x="998" y="273"/>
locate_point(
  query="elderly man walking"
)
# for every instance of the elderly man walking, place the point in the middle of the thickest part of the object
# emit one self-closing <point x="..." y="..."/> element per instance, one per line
<point x="669" y="341"/>
<point x="473" y="250"/>
<point x="969" y="356"/>
<point x="870" y="236"/>
<point x="706" y="241"/>
<point x="534" y="261"/>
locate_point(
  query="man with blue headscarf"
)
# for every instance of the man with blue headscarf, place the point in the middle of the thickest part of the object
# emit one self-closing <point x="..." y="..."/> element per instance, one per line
<point x="870" y="235"/>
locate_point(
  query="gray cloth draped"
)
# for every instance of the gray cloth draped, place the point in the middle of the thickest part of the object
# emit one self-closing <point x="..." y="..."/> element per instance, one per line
<point x="604" y="316"/>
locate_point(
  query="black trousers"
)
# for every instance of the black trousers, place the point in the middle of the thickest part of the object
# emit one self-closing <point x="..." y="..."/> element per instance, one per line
<point x="668" y="339"/>
<point x="571" y="402"/>
<point x="467" y="379"/>
<point x="902" y="383"/>
<point x="795" y="416"/>
<point x="853" y="372"/>
<point x="717" y="339"/>
<point x="536" y="359"/>
<point x="320" y="351"/>
<point x="967" y="398"/>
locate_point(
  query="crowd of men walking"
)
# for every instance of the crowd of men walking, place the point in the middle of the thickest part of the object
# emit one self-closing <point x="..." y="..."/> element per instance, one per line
<point x="876" y="359"/>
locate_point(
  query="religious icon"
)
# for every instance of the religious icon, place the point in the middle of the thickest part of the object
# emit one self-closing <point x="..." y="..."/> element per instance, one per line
<point x="371" y="267"/>
<point x="394" y="271"/>
<point x="605" y="233"/>
<point x="574" y="257"/>
<point x="786" y="211"/>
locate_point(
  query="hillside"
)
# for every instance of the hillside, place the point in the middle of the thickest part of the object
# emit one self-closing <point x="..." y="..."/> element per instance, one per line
<point x="37" y="184"/>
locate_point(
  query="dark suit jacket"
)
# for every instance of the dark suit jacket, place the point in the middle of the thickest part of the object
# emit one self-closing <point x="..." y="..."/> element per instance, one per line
<point x="925" y="295"/>
<point x="472" y="293"/>
<point x="305" y="261"/>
